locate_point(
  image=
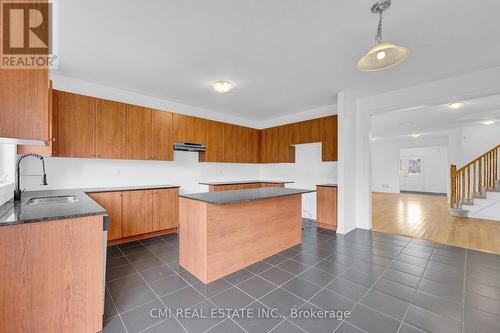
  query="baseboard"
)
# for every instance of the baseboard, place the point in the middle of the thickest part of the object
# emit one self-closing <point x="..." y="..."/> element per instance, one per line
<point x="425" y="193"/>
<point x="142" y="236"/>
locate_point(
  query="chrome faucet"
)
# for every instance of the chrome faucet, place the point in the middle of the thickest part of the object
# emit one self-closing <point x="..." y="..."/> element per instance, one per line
<point x="17" y="191"/>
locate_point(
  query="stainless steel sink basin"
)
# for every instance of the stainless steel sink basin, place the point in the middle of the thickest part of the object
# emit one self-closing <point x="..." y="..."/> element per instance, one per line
<point x="53" y="200"/>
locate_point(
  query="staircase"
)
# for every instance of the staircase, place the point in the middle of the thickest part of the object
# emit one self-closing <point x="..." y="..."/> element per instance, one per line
<point x="475" y="187"/>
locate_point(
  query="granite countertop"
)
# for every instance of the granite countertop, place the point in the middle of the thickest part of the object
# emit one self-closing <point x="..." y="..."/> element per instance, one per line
<point x="127" y="188"/>
<point x="20" y="212"/>
<point x="236" y="182"/>
<point x="328" y="185"/>
<point x="241" y="196"/>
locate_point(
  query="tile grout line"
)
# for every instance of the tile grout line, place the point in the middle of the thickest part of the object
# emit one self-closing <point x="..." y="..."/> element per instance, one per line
<point x="416" y="289"/>
<point x="154" y="292"/>
<point x="117" y="312"/>
<point x="371" y="288"/>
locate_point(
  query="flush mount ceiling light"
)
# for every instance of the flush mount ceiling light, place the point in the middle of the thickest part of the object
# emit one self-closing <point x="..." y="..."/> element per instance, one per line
<point x="456" y="105"/>
<point x="222" y="86"/>
<point x="382" y="55"/>
<point x="415" y="135"/>
<point x="488" y="122"/>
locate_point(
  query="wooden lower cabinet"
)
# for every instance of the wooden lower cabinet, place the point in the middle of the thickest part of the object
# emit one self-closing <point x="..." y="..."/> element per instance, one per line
<point x="165" y="213"/>
<point x="51" y="276"/>
<point x="139" y="214"/>
<point x="112" y="201"/>
<point x="326" y="207"/>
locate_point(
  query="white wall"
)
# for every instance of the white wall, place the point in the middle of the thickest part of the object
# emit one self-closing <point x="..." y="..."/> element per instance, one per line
<point x="477" y="140"/>
<point x="435" y="174"/>
<point x="185" y="171"/>
<point x="7" y="161"/>
<point x="385" y="167"/>
<point x="307" y="172"/>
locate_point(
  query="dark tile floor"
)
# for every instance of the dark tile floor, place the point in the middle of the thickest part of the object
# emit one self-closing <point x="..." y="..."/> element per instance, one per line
<point x="388" y="283"/>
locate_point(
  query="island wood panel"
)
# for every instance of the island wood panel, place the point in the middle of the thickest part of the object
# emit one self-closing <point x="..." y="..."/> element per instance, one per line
<point x="193" y="237"/>
<point x="51" y="276"/>
<point x="326" y="207"/>
<point x="250" y="231"/>
<point x="112" y="202"/>
<point x="139" y="137"/>
<point x="137" y="213"/>
<point x="24" y="104"/>
<point x="229" y="187"/>
<point x="161" y="136"/>
<point x="75" y="125"/>
<point x="110" y="120"/>
<point x="165" y="209"/>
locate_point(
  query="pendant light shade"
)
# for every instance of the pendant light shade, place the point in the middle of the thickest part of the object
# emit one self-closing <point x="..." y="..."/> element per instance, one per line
<point x="382" y="56"/>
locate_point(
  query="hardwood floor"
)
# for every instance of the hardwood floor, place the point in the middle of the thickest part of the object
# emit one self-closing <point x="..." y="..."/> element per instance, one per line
<point x="426" y="217"/>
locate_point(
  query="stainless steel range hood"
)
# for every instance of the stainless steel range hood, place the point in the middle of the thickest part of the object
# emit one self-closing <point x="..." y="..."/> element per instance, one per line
<point x="187" y="146"/>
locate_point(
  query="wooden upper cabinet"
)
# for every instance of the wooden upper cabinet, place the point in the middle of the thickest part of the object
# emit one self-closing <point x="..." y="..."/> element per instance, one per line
<point x="190" y="129"/>
<point x="165" y="209"/>
<point x="161" y="136"/>
<point x="329" y="138"/>
<point x="49" y="149"/>
<point x="138" y="131"/>
<point x="312" y="131"/>
<point x="137" y="213"/>
<point x="112" y="202"/>
<point x="110" y="119"/>
<point x="75" y="125"/>
<point x="24" y="104"/>
<point x="215" y="142"/>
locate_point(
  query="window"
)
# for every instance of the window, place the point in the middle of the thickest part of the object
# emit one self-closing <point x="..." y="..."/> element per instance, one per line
<point x="414" y="167"/>
<point x="410" y="166"/>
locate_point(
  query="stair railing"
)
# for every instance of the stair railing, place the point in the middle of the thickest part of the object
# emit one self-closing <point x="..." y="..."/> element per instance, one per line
<point x="474" y="178"/>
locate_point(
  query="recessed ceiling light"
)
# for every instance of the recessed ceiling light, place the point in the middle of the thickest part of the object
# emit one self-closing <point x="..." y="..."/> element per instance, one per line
<point x="456" y="105"/>
<point x="415" y="135"/>
<point x="222" y="86"/>
<point x="488" y="122"/>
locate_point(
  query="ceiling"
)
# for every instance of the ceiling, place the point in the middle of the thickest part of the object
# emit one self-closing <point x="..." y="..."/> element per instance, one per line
<point x="433" y="120"/>
<point x="285" y="56"/>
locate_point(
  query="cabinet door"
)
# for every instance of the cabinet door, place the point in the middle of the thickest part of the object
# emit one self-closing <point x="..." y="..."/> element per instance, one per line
<point x="189" y="129"/>
<point x="75" y="125"/>
<point x="24" y="104"/>
<point x="110" y="120"/>
<point x="329" y="138"/>
<point x="165" y="209"/>
<point x="312" y="131"/>
<point x="112" y="202"/>
<point x="138" y="133"/>
<point x="326" y="207"/>
<point x="137" y="213"/>
<point x="161" y="138"/>
<point x="215" y="142"/>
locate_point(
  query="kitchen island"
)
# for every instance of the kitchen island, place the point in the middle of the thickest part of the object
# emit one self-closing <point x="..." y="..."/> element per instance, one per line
<point x="223" y="232"/>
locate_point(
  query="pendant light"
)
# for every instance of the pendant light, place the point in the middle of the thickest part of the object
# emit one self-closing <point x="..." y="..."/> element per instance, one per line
<point x="382" y="55"/>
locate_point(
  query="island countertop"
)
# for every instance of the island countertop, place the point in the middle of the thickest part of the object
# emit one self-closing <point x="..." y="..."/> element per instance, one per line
<point x="241" y="196"/>
<point x="328" y="185"/>
<point x="12" y="213"/>
<point x="237" y="182"/>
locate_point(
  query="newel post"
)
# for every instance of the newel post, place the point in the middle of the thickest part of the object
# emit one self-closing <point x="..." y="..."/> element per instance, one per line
<point x="453" y="186"/>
